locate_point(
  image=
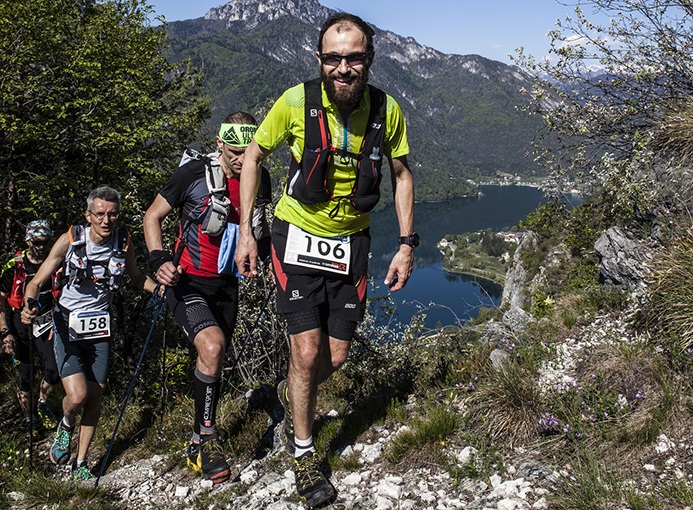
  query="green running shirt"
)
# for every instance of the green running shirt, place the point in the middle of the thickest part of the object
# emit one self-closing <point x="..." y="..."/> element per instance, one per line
<point x="285" y="122"/>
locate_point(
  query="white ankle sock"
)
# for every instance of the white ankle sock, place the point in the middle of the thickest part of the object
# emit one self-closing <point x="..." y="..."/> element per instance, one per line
<point x="303" y="446"/>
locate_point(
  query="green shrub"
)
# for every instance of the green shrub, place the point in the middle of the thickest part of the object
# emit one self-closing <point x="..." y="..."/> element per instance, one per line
<point x="546" y="221"/>
<point x="542" y="304"/>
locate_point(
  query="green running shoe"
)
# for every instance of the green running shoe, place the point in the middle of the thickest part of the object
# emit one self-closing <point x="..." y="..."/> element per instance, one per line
<point x="60" y="450"/>
<point x="35" y="427"/>
<point x="288" y="423"/>
<point x="311" y="484"/>
<point x="48" y="420"/>
<point x="209" y="458"/>
<point x="82" y="473"/>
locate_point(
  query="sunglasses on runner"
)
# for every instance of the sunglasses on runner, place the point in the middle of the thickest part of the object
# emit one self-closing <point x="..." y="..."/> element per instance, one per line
<point x="352" y="59"/>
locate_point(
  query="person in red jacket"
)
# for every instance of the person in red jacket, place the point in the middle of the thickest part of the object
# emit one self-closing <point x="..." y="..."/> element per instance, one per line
<point x="16" y="337"/>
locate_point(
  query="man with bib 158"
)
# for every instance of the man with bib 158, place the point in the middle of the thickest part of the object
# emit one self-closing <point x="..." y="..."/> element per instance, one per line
<point x="339" y="130"/>
<point x="96" y="257"/>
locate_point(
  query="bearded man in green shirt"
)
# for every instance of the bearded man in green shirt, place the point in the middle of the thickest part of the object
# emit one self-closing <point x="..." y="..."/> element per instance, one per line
<point x="339" y="130"/>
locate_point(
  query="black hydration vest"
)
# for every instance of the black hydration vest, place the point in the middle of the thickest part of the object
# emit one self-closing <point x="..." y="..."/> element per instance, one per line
<point x="308" y="179"/>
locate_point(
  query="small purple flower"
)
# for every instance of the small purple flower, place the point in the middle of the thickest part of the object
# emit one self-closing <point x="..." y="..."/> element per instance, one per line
<point x="548" y="422"/>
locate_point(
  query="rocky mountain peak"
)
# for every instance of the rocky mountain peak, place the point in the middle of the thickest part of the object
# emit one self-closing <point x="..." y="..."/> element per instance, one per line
<point x="457" y="106"/>
<point x="252" y="12"/>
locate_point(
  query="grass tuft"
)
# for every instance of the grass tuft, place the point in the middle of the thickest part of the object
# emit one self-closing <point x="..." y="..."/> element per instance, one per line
<point x="438" y="425"/>
<point x="505" y="404"/>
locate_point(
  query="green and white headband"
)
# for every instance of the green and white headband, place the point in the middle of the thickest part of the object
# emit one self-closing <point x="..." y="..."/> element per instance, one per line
<point x="239" y="135"/>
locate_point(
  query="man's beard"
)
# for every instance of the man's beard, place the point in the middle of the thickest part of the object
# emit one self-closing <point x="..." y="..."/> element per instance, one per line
<point x="345" y="99"/>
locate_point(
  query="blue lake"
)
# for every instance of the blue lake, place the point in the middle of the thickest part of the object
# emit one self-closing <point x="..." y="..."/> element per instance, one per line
<point x="449" y="298"/>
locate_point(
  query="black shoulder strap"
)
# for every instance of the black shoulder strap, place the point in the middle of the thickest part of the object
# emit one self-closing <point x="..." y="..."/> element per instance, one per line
<point x="122" y="240"/>
<point x="375" y="130"/>
<point x="378" y="111"/>
<point x="314" y="135"/>
<point x="79" y="269"/>
<point x="313" y="90"/>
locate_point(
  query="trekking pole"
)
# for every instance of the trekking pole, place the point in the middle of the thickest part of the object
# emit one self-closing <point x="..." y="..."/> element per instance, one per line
<point x="164" y="391"/>
<point x="249" y="335"/>
<point x="33" y="303"/>
<point x="31" y="399"/>
<point x="158" y="308"/>
<point x="251" y="330"/>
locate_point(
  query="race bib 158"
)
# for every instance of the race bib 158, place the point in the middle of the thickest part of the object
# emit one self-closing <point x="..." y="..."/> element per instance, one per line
<point x="89" y="324"/>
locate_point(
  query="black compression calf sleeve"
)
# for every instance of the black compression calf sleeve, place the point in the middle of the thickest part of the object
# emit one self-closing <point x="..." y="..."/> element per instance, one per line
<point x="206" y="391"/>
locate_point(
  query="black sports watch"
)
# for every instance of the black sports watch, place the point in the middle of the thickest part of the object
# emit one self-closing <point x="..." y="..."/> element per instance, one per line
<point x="410" y="240"/>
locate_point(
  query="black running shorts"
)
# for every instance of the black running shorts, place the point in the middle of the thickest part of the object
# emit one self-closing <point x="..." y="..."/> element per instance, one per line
<point x="301" y="288"/>
<point x="43" y="346"/>
<point x="198" y="303"/>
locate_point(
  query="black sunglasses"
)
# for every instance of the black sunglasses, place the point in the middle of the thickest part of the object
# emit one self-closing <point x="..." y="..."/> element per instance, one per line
<point x="352" y="59"/>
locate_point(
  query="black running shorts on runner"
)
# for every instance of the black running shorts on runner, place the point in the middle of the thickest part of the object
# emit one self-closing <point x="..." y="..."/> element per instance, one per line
<point x="198" y="303"/>
<point x="43" y="345"/>
<point x="301" y="288"/>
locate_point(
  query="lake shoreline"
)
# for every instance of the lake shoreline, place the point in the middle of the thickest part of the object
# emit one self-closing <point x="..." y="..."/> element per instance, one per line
<point x="465" y="291"/>
<point x="489" y="276"/>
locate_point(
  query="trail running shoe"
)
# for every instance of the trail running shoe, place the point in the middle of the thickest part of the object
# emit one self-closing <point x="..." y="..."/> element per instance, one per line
<point x="60" y="450"/>
<point x="288" y="423"/>
<point x="35" y="427"/>
<point x="46" y="416"/>
<point x="82" y="473"/>
<point x="311" y="484"/>
<point x="208" y="457"/>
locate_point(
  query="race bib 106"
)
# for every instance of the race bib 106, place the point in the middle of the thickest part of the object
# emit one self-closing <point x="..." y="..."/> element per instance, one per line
<point x="89" y="324"/>
<point x="326" y="253"/>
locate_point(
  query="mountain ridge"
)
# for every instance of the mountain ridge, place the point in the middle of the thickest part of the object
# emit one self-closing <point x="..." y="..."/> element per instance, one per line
<point x="463" y="111"/>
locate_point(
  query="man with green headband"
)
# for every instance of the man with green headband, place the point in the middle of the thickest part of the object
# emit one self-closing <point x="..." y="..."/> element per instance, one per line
<point x="201" y="281"/>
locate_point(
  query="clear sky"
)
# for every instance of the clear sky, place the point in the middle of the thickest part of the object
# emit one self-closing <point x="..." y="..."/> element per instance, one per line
<point x="490" y="28"/>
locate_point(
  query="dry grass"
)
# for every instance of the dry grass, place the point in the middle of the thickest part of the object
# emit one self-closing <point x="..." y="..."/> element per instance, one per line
<point x="671" y="292"/>
<point x="675" y="135"/>
<point x="504" y="406"/>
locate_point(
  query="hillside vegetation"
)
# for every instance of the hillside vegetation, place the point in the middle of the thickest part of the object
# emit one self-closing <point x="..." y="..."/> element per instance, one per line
<point x="578" y="385"/>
